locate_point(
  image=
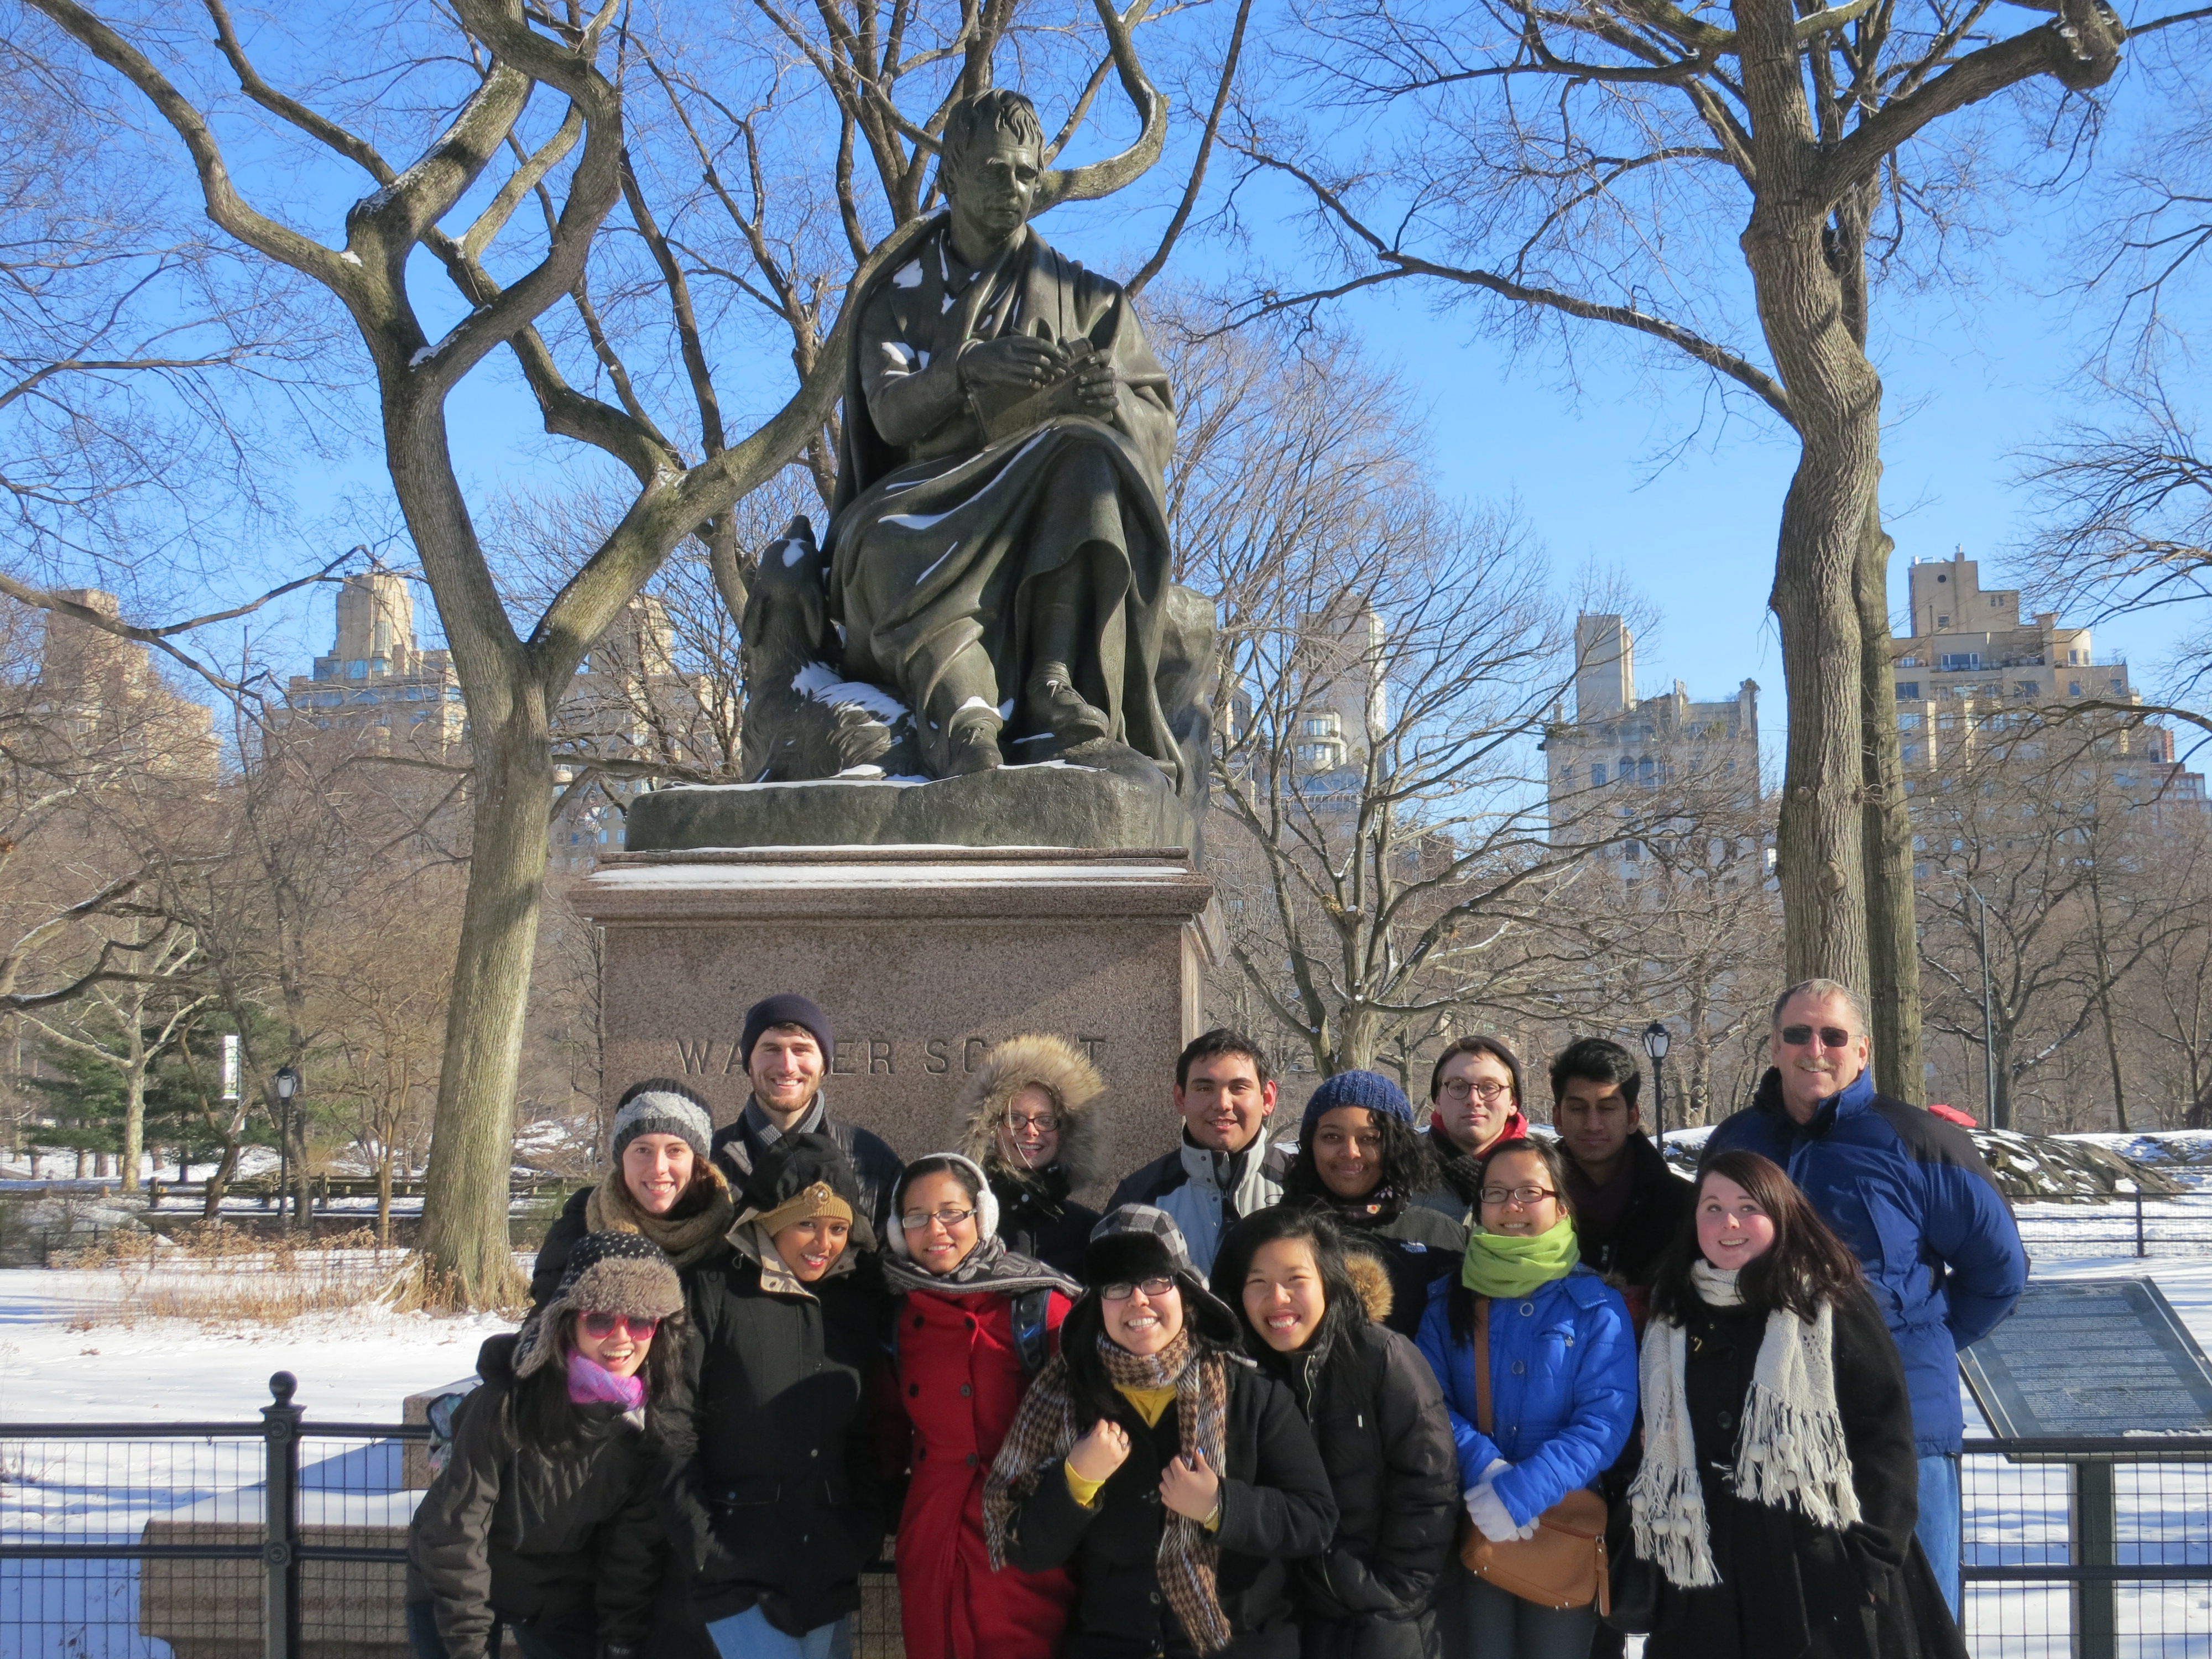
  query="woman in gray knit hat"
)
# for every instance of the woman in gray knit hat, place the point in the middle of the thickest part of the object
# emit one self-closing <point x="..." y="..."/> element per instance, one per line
<point x="664" y="1186"/>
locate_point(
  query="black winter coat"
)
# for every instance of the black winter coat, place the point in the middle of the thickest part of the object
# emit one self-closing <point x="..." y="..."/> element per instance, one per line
<point x="1275" y="1507"/>
<point x="1416" y="1245"/>
<point x="569" y="1541"/>
<point x="1378" y="1417"/>
<point x="1037" y="1219"/>
<point x="1790" y="1588"/>
<point x="1659" y="1206"/>
<point x="562" y="1236"/>
<point x="778" y="1497"/>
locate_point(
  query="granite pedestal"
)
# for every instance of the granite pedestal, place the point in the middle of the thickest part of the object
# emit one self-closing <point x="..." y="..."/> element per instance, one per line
<point x="923" y="956"/>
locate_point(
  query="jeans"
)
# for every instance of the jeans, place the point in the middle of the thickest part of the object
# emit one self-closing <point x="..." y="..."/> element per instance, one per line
<point x="1939" y="1527"/>
<point x="749" y="1635"/>
<point x="423" y="1636"/>
<point x="1476" y="1619"/>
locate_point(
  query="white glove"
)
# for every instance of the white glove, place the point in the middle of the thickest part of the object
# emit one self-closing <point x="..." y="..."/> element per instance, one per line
<point x="1491" y="1516"/>
<point x="1498" y="1467"/>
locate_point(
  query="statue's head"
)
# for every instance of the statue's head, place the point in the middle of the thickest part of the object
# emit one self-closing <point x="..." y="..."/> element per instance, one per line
<point x="990" y="158"/>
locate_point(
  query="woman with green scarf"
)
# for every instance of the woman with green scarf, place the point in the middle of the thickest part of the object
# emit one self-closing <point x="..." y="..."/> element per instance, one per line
<point x="1562" y="1392"/>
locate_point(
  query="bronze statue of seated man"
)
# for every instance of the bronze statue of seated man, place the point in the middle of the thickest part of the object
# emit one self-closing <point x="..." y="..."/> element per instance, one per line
<point x="999" y="552"/>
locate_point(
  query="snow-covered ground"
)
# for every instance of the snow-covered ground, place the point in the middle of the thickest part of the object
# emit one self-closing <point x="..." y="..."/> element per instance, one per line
<point x="67" y="1356"/>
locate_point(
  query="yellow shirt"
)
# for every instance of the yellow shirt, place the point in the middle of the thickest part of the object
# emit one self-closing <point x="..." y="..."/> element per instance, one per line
<point x="1151" y="1405"/>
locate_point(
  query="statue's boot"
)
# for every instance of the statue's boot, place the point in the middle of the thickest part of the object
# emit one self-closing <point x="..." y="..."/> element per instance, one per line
<point x="1056" y="705"/>
<point x="972" y="745"/>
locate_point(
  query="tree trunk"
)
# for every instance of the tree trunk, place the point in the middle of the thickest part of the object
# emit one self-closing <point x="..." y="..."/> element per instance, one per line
<point x="384" y="1198"/>
<point x="134" y="1115"/>
<point x="1892" y="938"/>
<point x="464" y="1229"/>
<point x="1837" y="398"/>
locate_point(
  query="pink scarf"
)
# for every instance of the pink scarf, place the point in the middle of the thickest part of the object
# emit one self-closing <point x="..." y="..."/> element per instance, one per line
<point x="591" y="1383"/>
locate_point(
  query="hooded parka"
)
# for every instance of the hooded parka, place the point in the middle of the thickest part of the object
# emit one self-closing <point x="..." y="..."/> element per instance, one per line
<point x="1791" y="1588"/>
<point x="778" y="1497"/>
<point x="567" y="1541"/>
<point x="1036" y="1216"/>
<point x="1379" y="1420"/>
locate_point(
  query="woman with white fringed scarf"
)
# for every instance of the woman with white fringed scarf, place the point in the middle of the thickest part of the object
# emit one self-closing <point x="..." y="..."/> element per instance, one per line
<point x="1778" y="1487"/>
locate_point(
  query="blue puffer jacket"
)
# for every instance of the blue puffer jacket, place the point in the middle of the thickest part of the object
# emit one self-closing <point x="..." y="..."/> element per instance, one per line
<point x="1562" y="1387"/>
<point x="1910" y="1196"/>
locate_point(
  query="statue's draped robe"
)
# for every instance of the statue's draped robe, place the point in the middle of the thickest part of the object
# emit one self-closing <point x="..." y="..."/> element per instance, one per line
<point x="936" y="547"/>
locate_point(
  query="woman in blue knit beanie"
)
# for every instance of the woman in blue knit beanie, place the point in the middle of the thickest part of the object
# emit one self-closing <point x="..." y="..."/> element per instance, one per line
<point x="1360" y="1160"/>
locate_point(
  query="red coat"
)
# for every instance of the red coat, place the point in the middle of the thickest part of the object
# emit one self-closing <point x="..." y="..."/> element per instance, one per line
<point x="959" y="1381"/>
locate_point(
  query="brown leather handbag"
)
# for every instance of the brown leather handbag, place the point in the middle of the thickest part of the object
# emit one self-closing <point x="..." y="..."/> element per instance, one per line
<point x="1563" y="1565"/>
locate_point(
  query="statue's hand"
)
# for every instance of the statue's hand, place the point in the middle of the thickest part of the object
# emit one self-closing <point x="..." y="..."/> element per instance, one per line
<point x="1095" y="389"/>
<point x="1016" y="360"/>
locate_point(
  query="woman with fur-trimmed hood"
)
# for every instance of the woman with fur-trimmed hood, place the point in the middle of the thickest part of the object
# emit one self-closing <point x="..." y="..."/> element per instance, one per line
<point x="1034" y="1126"/>
<point x="1316" y="1315"/>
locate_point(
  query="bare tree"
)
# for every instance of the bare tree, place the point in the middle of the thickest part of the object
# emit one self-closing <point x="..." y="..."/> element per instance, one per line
<point x="473" y="75"/>
<point x="1578" y="164"/>
<point x="2055" y="854"/>
<point x="1385" y="665"/>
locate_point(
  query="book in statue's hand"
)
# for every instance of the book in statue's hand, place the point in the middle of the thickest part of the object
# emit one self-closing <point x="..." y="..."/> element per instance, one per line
<point x="1009" y="411"/>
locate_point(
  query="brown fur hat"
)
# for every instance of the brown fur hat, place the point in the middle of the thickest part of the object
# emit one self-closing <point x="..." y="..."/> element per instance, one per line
<point x="607" y="1273"/>
<point x="1062" y="1071"/>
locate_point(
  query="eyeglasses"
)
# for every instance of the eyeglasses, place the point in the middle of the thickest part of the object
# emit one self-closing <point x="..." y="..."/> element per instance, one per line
<point x="600" y="1325"/>
<point x="948" y="1218"/>
<point x="1524" y="1196"/>
<point x="1045" y="1122"/>
<point x="1154" y="1289"/>
<point x="1459" y="1088"/>
<point x="1799" y="1037"/>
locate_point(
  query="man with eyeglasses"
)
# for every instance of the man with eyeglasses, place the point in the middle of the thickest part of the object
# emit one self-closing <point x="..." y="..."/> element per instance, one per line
<point x="1474" y="1103"/>
<point x="1910" y="1196"/>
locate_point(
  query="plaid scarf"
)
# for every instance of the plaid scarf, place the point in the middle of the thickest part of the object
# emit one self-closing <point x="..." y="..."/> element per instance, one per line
<point x="989" y="1267"/>
<point x="1044" y="1431"/>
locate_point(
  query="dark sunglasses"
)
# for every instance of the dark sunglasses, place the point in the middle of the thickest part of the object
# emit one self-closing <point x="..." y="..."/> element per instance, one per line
<point x="1833" y="1036"/>
<point x="600" y="1325"/>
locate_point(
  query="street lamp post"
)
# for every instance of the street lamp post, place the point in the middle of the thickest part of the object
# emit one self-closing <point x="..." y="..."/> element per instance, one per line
<point x="287" y="1084"/>
<point x="1655" y="1041"/>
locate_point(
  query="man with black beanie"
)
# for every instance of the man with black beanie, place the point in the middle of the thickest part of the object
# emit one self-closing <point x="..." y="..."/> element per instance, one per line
<point x="785" y="1049"/>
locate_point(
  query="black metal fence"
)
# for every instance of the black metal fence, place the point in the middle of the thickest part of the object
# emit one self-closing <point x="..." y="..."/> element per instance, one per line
<point x="282" y="1539"/>
<point x="285" y="1539"/>
<point x="2088" y="1549"/>
<point x="2138" y="1227"/>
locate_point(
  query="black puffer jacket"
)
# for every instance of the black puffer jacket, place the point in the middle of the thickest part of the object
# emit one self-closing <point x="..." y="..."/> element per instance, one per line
<point x="1275" y="1507"/>
<point x="1038" y="1219"/>
<point x="1627" y="1251"/>
<point x="569" y="1541"/>
<point x="1790" y="1588"/>
<point x="779" y="1501"/>
<point x="1378" y="1417"/>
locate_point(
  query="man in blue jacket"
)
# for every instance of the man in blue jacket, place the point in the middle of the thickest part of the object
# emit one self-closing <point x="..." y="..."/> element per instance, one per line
<point x="1912" y="1197"/>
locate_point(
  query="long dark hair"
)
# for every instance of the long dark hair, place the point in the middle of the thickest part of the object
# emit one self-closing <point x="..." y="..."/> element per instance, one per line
<point x="1314" y="1229"/>
<point x="1408" y="1167"/>
<point x="1806" y="1265"/>
<point x="1090" y="1391"/>
<point x="548" y="1421"/>
<point x="1459" y="1302"/>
